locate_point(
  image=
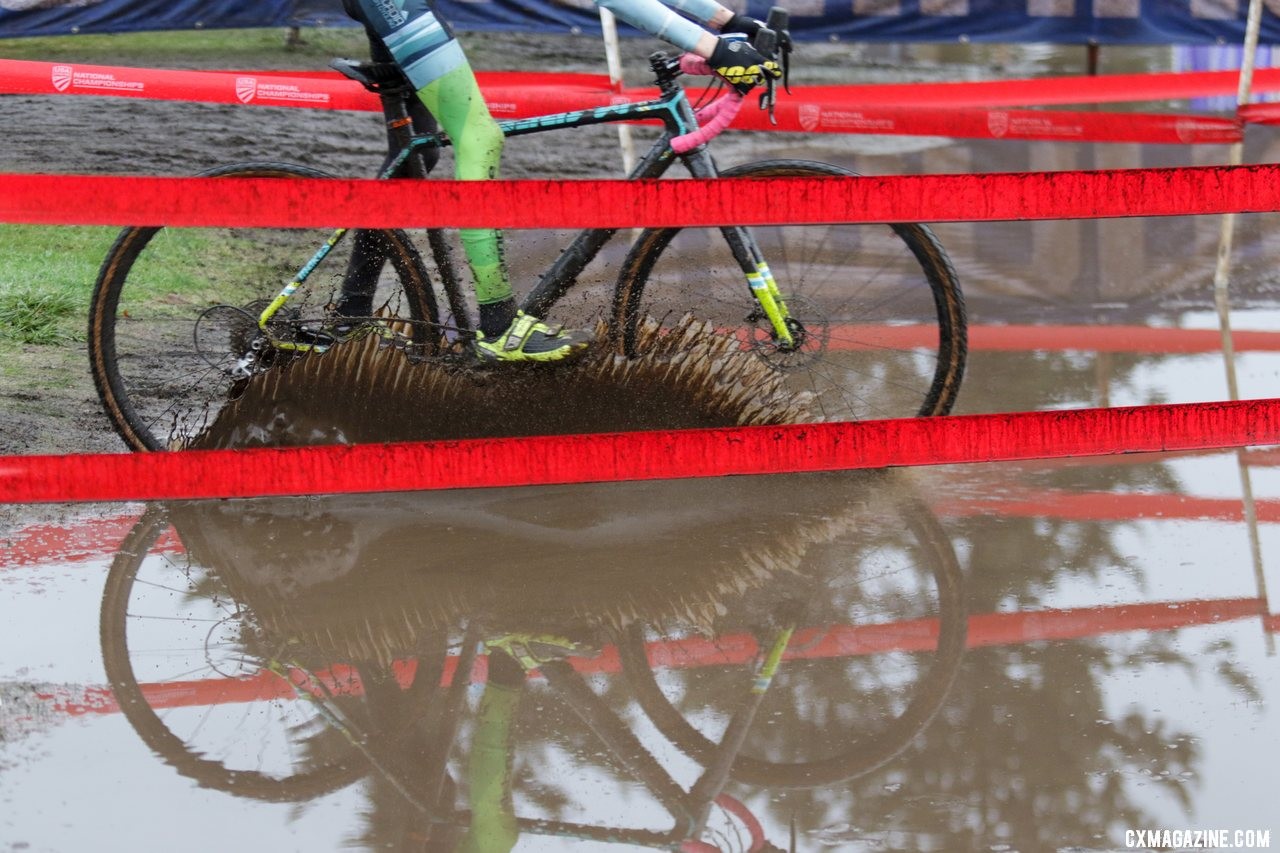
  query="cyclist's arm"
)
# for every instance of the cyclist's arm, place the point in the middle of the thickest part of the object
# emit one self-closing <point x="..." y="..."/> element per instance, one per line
<point x="709" y="12"/>
<point x="659" y="19"/>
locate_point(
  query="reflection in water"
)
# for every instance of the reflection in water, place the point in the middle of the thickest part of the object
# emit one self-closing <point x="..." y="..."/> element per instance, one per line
<point x="282" y="649"/>
<point x="1039" y="746"/>
<point x="1030" y="751"/>
<point x="290" y="647"/>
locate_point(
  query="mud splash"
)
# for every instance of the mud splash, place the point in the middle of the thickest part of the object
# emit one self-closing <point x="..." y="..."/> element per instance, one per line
<point x="688" y="377"/>
<point x="370" y="579"/>
<point x="373" y="578"/>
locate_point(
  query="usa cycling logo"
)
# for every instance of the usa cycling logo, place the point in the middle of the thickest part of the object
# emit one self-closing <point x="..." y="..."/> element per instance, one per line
<point x="810" y="114"/>
<point x="246" y="88"/>
<point x="62" y="77"/>
<point x="998" y="123"/>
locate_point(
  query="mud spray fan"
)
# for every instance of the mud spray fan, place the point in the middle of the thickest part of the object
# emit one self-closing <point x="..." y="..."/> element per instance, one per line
<point x="634" y="536"/>
<point x="687" y="376"/>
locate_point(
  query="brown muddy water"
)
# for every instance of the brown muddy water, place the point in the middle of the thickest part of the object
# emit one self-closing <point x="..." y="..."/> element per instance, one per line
<point x="1042" y="656"/>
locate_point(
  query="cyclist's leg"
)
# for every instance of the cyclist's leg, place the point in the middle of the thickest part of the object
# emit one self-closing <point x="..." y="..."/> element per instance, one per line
<point x="369" y="253"/>
<point x="429" y="55"/>
<point x="435" y="64"/>
<point x="493" y="823"/>
<point x="455" y="100"/>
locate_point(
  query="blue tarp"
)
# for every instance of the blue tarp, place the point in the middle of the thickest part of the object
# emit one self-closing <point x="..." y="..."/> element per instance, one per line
<point x="1055" y="21"/>
<point x="62" y="17"/>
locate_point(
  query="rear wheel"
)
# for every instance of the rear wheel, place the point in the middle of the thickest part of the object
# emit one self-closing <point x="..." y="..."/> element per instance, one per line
<point x="173" y="320"/>
<point x="180" y="658"/>
<point x="877" y="310"/>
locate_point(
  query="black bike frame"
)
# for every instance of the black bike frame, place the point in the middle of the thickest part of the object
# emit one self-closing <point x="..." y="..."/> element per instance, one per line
<point x="672" y="109"/>
<point x="690" y="809"/>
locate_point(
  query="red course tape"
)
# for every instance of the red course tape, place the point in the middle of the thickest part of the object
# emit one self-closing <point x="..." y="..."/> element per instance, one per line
<point x="828" y="641"/>
<point x="266" y="202"/>
<point x="328" y="89"/>
<point x="1050" y="338"/>
<point x="611" y="457"/>
<point x="935" y="109"/>
<point x="325" y="90"/>
<point x="842" y="112"/>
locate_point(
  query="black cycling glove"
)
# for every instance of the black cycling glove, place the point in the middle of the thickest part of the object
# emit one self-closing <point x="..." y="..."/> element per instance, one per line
<point x="742" y="65"/>
<point x="742" y="24"/>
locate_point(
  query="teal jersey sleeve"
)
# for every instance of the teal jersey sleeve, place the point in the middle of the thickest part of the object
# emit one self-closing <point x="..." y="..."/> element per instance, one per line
<point x="699" y="10"/>
<point x="662" y="21"/>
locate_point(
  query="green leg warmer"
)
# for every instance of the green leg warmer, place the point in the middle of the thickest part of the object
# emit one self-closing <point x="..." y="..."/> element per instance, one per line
<point x="455" y="101"/>
<point x="493" y="823"/>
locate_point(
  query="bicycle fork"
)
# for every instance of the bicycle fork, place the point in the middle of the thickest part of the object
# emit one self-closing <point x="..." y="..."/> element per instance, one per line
<point x="716" y="775"/>
<point x="755" y="269"/>
<point x="317" y="341"/>
<point x="764" y="288"/>
<point x="690" y="810"/>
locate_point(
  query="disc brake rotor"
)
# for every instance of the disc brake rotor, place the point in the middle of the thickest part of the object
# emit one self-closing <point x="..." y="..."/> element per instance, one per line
<point x="810" y="329"/>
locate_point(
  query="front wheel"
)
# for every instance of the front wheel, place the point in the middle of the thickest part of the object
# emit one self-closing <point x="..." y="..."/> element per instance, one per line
<point x="876" y="310"/>
<point x="173" y="320"/>
<point x="878" y="600"/>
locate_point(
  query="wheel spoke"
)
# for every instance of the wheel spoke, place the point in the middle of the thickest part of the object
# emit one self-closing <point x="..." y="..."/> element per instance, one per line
<point x="159" y="284"/>
<point x="894" y="276"/>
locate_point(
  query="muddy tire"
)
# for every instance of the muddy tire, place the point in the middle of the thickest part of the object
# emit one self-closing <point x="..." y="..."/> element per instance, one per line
<point x="152" y="320"/>
<point x="130" y="667"/>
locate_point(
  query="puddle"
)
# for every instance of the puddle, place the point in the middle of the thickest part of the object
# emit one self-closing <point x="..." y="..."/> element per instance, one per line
<point x="279" y="666"/>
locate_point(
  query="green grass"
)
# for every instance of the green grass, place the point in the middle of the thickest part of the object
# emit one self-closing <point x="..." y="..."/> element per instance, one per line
<point x="33" y="317"/>
<point x="183" y="266"/>
<point x="46" y="276"/>
<point x="181" y="48"/>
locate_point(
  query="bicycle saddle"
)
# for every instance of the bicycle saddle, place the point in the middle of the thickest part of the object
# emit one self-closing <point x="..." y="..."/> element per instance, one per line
<point x="374" y="76"/>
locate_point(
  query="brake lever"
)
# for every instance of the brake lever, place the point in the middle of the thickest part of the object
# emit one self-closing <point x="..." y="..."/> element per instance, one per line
<point x="768" y="43"/>
<point x="769" y="98"/>
<point x="785" y="52"/>
<point x="779" y="21"/>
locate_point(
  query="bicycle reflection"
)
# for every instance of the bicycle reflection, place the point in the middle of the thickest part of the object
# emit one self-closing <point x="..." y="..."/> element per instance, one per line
<point x="323" y="641"/>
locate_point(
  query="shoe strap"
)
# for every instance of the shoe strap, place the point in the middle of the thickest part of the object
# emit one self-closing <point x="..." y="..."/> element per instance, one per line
<point x="517" y="649"/>
<point x="522" y="328"/>
<point x="520" y="647"/>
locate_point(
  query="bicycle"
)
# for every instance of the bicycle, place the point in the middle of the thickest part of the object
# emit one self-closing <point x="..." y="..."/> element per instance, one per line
<point x="308" y="611"/>
<point x="869" y="319"/>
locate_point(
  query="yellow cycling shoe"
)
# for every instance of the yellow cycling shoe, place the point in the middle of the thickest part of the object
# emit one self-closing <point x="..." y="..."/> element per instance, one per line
<point x="529" y="339"/>
<point x="530" y="650"/>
